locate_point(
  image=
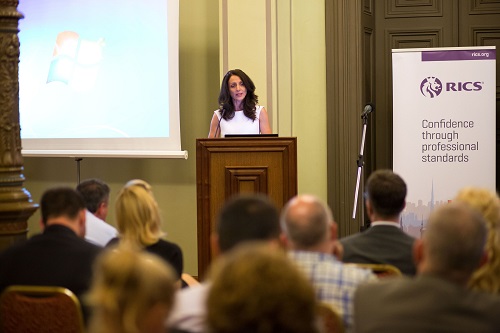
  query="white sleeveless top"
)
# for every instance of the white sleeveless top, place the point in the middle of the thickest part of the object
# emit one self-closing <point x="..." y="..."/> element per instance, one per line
<point x="240" y="124"/>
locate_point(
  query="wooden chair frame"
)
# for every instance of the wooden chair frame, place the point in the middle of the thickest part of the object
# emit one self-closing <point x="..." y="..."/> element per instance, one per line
<point x="40" y="309"/>
<point x="381" y="270"/>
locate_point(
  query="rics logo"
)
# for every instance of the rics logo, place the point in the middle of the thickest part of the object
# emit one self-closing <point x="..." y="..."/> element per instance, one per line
<point x="431" y="87"/>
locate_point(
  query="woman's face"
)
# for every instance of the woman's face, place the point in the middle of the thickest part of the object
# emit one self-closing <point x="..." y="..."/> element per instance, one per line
<point x="237" y="89"/>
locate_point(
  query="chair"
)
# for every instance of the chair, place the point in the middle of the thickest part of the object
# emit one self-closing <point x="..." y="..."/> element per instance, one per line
<point x="40" y="309"/>
<point x="330" y="320"/>
<point x="381" y="270"/>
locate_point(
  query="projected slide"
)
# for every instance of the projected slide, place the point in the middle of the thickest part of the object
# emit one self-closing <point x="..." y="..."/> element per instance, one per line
<point x="94" y="69"/>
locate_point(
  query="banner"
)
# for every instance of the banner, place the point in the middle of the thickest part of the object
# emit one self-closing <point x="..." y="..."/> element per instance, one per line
<point x="443" y="125"/>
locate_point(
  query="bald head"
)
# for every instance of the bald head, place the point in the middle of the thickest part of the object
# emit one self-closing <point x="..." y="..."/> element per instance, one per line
<point x="454" y="241"/>
<point x="307" y="222"/>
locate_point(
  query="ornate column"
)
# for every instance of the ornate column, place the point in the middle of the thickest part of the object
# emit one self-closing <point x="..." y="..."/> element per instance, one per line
<point x="16" y="205"/>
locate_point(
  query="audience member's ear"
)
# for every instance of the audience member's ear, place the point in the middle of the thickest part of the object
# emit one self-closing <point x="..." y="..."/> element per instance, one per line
<point x="338" y="250"/>
<point x="214" y="244"/>
<point x="82" y="226"/>
<point x="333" y="231"/>
<point x="42" y="225"/>
<point x="102" y="210"/>
<point x="369" y="208"/>
<point x="284" y="241"/>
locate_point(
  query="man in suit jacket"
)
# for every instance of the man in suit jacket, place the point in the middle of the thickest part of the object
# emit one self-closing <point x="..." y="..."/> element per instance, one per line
<point x="436" y="300"/>
<point x="59" y="256"/>
<point x="384" y="242"/>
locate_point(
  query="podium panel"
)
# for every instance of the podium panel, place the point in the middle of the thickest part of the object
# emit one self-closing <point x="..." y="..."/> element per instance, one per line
<point x="229" y="166"/>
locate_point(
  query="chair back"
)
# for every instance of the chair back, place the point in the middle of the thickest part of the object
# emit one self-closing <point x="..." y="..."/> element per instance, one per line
<point x="381" y="270"/>
<point x="330" y="320"/>
<point x="40" y="309"/>
<point x="189" y="280"/>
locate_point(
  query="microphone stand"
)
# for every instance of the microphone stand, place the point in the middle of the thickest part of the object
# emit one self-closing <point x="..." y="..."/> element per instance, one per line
<point x="360" y="161"/>
<point x="218" y="125"/>
<point x="78" y="160"/>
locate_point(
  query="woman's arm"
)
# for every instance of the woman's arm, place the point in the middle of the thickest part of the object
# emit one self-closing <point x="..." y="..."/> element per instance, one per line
<point x="264" y="122"/>
<point x="214" y="127"/>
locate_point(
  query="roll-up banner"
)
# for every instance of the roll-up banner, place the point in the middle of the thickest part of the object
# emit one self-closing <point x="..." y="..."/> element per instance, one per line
<point x="443" y="125"/>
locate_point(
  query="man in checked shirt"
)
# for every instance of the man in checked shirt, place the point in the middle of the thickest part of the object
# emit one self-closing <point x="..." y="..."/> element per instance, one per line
<point x="311" y="237"/>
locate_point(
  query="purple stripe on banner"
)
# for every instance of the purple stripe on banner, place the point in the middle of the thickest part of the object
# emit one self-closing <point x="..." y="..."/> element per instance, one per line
<point x="487" y="54"/>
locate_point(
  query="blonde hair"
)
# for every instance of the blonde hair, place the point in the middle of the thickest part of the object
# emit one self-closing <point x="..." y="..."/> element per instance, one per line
<point x="254" y="289"/>
<point x="486" y="202"/>
<point x="127" y="283"/>
<point x="137" y="214"/>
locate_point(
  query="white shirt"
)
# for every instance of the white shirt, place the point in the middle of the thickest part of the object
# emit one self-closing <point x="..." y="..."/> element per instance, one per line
<point x="391" y="224"/>
<point x="240" y="124"/>
<point x="98" y="231"/>
<point x="190" y="311"/>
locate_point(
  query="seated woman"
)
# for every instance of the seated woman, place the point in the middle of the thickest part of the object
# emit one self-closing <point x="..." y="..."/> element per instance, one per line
<point x="139" y="224"/>
<point x="487" y="277"/>
<point x="256" y="290"/>
<point x="238" y="111"/>
<point x="131" y="292"/>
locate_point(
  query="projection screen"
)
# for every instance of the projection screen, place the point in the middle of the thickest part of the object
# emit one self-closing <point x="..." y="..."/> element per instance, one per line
<point x="100" y="78"/>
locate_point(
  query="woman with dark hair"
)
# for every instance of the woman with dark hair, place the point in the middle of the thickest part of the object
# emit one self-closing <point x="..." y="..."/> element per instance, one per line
<point x="238" y="111"/>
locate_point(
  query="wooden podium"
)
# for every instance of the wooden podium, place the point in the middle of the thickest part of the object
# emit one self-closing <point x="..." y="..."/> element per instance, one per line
<point x="228" y="166"/>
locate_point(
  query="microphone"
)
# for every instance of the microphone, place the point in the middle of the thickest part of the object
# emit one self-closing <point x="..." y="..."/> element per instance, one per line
<point x="367" y="110"/>
<point x="218" y="125"/>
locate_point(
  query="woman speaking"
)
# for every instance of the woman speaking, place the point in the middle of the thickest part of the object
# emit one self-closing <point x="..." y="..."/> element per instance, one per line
<point x="238" y="111"/>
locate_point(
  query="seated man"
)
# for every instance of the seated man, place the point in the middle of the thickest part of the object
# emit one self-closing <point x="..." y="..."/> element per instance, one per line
<point x="59" y="256"/>
<point x="437" y="300"/>
<point x="310" y="235"/>
<point x="384" y="242"/>
<point x="95" y="193"/>
<point x="242" y="219"/>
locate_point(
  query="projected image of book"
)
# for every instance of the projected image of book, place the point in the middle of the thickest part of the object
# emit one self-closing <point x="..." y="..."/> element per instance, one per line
<point x="105" y="72"/>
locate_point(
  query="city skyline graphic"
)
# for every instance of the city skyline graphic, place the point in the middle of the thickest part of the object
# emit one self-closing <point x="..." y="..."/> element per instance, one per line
<point x="414" y="217"/>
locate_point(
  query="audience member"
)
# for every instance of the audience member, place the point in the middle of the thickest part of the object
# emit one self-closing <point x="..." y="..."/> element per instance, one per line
<point x="138" y="220"/>
<point x="95" y="193"/>
<point x="437" y="300"/>
<point x="241" y="219"/>
<point x="311" y="234"/>
<point x="59" y="256"/>
<point x="487" y="202"/>
<point x="384" y="242"/>
<point x="259" y="291"/>
<point x="132" y="292"/>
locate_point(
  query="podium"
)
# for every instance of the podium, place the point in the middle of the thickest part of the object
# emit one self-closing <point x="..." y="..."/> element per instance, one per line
<point x="229" y="166"/>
